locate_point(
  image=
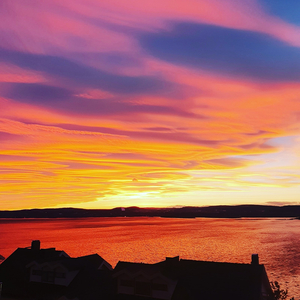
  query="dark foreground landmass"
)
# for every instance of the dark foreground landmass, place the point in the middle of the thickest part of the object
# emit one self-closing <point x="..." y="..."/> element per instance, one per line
<point x="239" y="211"/>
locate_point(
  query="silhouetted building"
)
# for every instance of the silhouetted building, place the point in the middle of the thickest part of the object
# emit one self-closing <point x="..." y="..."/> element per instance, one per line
<point x="175" y="279"/>
<point x="13" y="272"/>
<point x="50" y="274"/>
<point x="85" y="277"/>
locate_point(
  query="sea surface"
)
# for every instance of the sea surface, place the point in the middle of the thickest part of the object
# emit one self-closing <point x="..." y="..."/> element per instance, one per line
<point x="150" y="240"/>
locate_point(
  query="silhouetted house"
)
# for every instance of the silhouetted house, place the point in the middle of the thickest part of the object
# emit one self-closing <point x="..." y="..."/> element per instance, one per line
<point x="86" y="277"/>
<point x="50" y="274"/>
<point x="62" y="272"/>
<point x="175" y="279"/>
<point x="13" y="272"/>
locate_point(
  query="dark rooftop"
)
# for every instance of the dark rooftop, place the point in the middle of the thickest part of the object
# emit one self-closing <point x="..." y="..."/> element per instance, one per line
<point x="211" y="280"/>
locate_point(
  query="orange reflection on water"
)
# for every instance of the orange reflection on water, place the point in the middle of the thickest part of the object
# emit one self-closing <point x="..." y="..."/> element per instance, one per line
<point x="150" y="240"/>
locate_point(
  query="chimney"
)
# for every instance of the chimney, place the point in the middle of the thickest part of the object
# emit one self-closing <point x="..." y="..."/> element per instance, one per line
<point x="255" y="260"/>
<point x="172" y="261"/>
<point x="36" y="245"/>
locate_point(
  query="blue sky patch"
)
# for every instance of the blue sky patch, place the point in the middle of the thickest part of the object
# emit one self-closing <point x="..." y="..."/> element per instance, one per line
<point x="288" y="10"/>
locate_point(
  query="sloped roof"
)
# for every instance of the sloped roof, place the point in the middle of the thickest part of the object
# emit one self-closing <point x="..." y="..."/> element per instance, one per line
<point x="89" y="281"/>
<point x="210" y="280"/>
<point x="134" y="268"/>
<point x="91" y="284"/>
<point x="88" y="284"/>
<point x="13" y="272"/>
<point x="93" y="260"/>
<point x="74" y="263"/>
<point x="213" y="280"/>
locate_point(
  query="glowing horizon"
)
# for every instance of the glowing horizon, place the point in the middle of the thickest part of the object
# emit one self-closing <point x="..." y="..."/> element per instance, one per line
<point x="150" y="104"/>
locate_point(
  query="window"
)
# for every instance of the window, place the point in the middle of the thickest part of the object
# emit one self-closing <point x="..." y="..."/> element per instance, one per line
<point x="60" y="275"/>
<point x="51" y="276"/>
<point x="143" y="288"/>
<point x="159" y="287"/>
<point x="126" y="282"/>
<point x="48" y="276"/>
<point x="37" y="272"/>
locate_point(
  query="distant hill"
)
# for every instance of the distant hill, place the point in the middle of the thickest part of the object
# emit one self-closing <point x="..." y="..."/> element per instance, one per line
<point x="221" y="211"/>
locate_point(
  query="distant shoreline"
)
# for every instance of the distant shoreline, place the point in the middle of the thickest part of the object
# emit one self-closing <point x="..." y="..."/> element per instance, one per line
<point x="221" y="211"/>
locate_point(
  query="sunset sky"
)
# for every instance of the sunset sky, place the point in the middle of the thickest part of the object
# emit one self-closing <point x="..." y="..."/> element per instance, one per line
<point x="149" y="103"/>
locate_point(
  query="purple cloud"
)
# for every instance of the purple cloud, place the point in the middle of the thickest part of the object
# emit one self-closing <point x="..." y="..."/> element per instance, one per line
<point x="65" y="100"/>
<point x="223" y="50"/>
<point x="86" y="76"/>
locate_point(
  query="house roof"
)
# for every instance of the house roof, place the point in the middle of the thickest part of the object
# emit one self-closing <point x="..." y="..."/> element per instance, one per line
<point x="70" y="263"/>
<point x="134" y="268"/>
<point x="13" y="272"/>
<point x="220" y="280"/>
<point x="90" y="283"/>
<point x="211" y="280"/>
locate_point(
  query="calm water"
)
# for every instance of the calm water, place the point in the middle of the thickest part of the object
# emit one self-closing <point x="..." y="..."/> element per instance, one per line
<point x="149" y="240"/>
